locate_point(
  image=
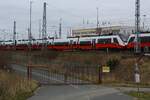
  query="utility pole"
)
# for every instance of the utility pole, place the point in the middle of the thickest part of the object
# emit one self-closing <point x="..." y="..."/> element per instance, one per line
<point x="14" y="34"/>
<point x="70" y="31"/>
<point x="29" y="69"/>
<point x="30" y="29"/>
<point x="97" y="28"/>
<point x="44" y="27"/>
<point x="60" y="28"/>
<point x="137" y="27"/>
<point x="144" y="16"/>
<point x="56" y="34"/>
<point x="83" y="21"/>
<point x="39" y="29"/>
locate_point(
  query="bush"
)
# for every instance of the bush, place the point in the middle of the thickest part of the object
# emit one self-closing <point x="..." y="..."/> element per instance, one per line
<point x="13" y="87"/>
<point x="112" y="63"/>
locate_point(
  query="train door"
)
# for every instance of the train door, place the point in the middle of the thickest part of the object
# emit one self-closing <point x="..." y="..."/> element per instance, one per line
<point x="78" y="43"/>
<point x="71" y="45"/>
<point x="93" y="44"/>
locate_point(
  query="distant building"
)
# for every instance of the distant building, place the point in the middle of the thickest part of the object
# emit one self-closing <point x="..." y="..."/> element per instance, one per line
<point x="124" y="30"/>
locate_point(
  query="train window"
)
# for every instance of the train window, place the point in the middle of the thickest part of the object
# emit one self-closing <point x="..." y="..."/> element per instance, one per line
<point x="104" y="41"/>
<point x="145" y="39"/>
<point x="93" y="41"/>
<point x="61" y="43"/>
<point x="85" y="42"/>
<point x="131" y="39"/>
<point x="10" y="41"/>
<point x="116" y="41"/>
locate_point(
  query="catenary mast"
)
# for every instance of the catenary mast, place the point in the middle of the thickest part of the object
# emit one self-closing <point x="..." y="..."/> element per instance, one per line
<point x="137" y="27"/>
<point x="44" y="26"/>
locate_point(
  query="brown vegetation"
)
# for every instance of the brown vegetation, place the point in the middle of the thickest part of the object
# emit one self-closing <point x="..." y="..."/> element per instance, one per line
<point x="121" y="63"/>
<point x="13" y="87"/>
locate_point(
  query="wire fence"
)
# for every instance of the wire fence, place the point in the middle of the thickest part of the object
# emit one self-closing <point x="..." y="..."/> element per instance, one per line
<point x="68" y="73"/>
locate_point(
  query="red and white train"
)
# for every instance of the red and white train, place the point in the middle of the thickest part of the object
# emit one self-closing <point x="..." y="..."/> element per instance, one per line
<point x="144" y="40"/>
<point x="82" y="43"/>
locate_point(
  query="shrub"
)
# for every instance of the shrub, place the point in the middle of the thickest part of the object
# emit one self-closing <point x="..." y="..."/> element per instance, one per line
<point x="13" y="87"/>
<point x="112" y="63"/>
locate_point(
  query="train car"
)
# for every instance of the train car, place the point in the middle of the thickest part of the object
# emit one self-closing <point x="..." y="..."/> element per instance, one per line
<point x="144" y="39"/>
<point x="61" y="45"/>
<point x="109" y="42"/>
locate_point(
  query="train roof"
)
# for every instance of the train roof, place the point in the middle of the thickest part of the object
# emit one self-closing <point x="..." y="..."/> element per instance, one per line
<point x="101" y="36"/>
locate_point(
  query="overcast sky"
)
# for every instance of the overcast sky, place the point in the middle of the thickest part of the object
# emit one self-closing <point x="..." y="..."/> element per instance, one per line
<point x="71" y="11"/>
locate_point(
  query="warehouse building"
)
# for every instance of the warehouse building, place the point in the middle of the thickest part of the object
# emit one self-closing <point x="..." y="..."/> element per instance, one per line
<point x="124" y="30"/>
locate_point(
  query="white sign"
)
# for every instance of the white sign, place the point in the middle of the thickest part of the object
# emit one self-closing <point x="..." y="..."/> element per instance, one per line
<point x="137" y="78"/>
<point x="106" y="69"/>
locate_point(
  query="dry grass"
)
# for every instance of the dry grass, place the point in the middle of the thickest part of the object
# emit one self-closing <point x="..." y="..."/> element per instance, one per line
<point x="140" y="96"/>
<point x="122" y="73"/>
<point x="13" y="87"/>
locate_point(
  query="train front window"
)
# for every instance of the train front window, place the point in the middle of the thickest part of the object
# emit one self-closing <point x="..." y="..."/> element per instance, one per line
<point x="131" y="39"/>
<point x="145" y="39"/>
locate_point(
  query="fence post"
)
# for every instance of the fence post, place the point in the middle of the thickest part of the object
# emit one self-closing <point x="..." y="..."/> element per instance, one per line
<point x="100" y="75"/>
<point x="29" y="72"/>
<point x="65" y="75"/>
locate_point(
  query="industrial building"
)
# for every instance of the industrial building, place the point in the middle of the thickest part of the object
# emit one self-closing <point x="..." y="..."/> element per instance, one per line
<point x="124" y="30"/>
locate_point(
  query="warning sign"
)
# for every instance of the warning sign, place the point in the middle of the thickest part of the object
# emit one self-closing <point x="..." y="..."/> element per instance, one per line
<point x="137" y="78"/>
<point x="106" y="69"/>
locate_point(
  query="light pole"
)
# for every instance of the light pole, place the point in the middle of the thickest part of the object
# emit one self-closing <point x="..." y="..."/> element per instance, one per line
<point x="144" y="19"/>
<point x="97" y="30"/>
<point x="60" y="28"/>
<point x="29" y="70"/>
<point x="30" y="29"/>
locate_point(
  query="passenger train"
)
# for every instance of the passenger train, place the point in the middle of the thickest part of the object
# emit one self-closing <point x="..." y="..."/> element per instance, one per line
<point x="144" y="40"/>
<point x="79" y="43"/>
